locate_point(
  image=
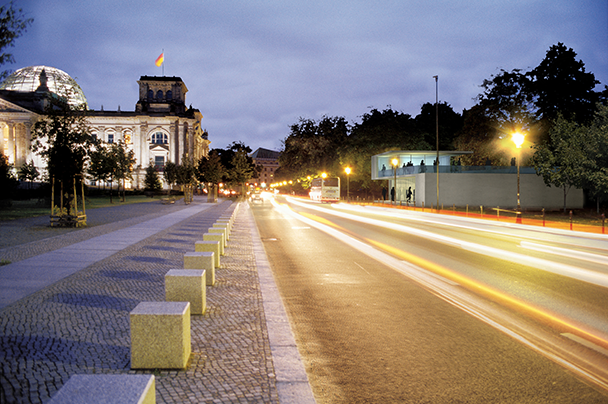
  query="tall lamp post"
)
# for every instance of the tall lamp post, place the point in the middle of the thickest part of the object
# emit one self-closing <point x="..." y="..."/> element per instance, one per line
<point x="518" y="139"/>
<point x="347" y="170"/>
<point x="437" y="132"/>
<point x="395" y="163"/>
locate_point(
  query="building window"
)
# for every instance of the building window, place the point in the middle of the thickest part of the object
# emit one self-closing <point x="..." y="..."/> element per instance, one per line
<point x="159" y="95"/>
<point x="169" y="95"/>
<point x="127" y="137"/>
<point x="150" y="94"/>
<point x="159" y="162"/>
<point x="160" y="138"/>
<point x="110" y="138"/>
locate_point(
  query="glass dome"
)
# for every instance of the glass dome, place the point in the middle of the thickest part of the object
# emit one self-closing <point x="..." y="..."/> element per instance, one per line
<point x="27" y="79"/>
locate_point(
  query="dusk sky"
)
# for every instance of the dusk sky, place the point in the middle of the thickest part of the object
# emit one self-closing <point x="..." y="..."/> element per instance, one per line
<point x="254" y="67"/>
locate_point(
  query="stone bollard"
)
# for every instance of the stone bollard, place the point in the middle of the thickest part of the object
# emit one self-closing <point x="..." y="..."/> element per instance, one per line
<point x="160" y="335"/>
<point x="107" y="388"/>
<point x="209" y="246"/>
<point x="225" y="227"/>
<point x="201" y="260"/>
<point x="215" y="237"/>
<point x="187" y="285"/>
<point x="221" y="231"/>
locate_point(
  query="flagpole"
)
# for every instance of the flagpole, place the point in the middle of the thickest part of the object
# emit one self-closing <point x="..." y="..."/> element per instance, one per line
<point x="163" y="64"/>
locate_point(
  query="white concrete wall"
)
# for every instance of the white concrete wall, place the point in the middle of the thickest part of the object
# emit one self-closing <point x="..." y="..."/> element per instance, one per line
<point x="493" y="190"/>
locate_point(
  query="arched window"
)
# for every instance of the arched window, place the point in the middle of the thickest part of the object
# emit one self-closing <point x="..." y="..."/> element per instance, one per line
<point x="159" y="95"/>
<point x="127" y="136"/>
<point x="110" y="137"/>
<point x="159" y="138"/>
<point x="169" y="95"/>
<point x="150" y="94"/>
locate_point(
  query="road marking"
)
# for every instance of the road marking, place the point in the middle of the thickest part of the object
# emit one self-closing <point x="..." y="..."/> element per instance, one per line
<point x="437" y="276"/>
<point x="586" y="343"/>
<point x="300" y="228"/>
<point x="357" y="264"/>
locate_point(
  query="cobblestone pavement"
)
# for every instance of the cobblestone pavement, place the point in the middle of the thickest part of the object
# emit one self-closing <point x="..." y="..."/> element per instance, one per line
<point x="80" y="325"/>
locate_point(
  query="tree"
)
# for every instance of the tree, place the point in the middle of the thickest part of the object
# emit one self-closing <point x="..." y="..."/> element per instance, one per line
<point x="560" y="85"/>
<point x="450" y="123"/>
<point x="561" y="159"/>
<point x="62" y="137"/>
<point x="210" y="171"/>
<point x="12" y="25"/>
<point x="313" y="147"/>
<point x="152" y="180"/>
<point x="242" y="170"/>
<point x="99" y="164"/>
<point x="28" y="172"/>
<point x="170" y="174"/>
<point x="8" y="182"/>
<point x="596" y="150"/>
<point x="378" y="132"/>
<point x="122" y="160"/>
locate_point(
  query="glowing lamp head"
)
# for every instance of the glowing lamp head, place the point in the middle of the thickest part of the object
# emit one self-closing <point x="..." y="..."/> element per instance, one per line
<point x="347" y="170"/>
<point x="518" y="139"/>
<point x="395" y="162"/>
<point x="324" y="175"/>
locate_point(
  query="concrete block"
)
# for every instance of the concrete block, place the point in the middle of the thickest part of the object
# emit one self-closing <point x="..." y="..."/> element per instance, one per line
<point x="209" y="246"/>
<point x="215" y="237"/>
<point x="102" y="388"/>
<point x="201" y="260"/>
<point x="160" y="335"/>
<point x="226" y="222"/>
<point x="187" y="285"/>
<point x="223" y="226"/>
<point x="220" y="231"/>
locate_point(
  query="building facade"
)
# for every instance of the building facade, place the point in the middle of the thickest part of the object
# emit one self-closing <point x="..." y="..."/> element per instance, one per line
<point x="488" y="186"/>
<point x="269" y="160"/>
<point x="161" y="129"/>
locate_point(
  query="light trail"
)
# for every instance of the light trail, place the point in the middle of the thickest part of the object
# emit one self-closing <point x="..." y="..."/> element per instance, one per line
<point x="429" y="275"/>
<point x="585" y="275"/>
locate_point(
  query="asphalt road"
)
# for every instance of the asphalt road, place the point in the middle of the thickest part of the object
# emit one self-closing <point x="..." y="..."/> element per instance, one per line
<point x="369" y="334"/>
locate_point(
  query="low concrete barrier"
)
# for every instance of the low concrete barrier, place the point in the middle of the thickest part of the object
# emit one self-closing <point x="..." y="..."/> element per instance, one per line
<point x="223" y="226"/>
<point x="201" y="260"/>
<point x="187" y="285"/>
<point x="101" y="388"/>
<point x="160" y="335"/>
<point x="215" y="237"/>
<point x="209" y="246"/>
<point x="221" y="231"/>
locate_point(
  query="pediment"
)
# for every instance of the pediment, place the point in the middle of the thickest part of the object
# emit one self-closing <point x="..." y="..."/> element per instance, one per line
<point x="7" y="106"/>
<point x="159" y="147"/>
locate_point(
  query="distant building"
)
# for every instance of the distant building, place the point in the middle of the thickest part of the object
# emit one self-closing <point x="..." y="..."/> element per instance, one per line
<point x="488" y="186"/>
<point x="161" y="129"/>
<point x="269" y="160"/>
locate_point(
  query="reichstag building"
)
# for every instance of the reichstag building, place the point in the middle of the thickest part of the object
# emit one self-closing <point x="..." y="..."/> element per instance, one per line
<point x="161" y="129"/>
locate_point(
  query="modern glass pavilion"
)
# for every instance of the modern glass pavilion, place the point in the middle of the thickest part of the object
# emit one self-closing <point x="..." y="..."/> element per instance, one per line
<point x="459" y="185"/>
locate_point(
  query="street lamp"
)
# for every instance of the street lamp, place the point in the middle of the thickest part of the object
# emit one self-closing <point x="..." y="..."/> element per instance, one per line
<point x="437" y="132"/>
<point x="518" y="139"/>
<point x="395" y="163"/>
<point x="347" y="170"/>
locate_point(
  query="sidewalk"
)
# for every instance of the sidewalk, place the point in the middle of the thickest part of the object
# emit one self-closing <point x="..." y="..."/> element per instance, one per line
<point x="65" y="303"/>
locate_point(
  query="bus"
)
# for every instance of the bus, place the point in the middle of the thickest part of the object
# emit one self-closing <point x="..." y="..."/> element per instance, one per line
<point x="325" y="189"/>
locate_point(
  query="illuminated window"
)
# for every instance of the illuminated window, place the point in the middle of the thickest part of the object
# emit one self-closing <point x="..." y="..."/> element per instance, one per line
<point x="159" y="138"/>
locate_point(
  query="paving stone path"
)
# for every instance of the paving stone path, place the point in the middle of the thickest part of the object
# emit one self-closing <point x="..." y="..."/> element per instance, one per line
<point x="80" y="324"/>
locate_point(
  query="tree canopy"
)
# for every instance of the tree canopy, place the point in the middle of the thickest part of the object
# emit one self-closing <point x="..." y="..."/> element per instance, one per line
<point x="13" y="23"/>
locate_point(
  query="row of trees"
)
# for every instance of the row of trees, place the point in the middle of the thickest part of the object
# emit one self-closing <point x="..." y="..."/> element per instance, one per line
<point x="232" y="166"/>
<point x="532" y="102"/>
